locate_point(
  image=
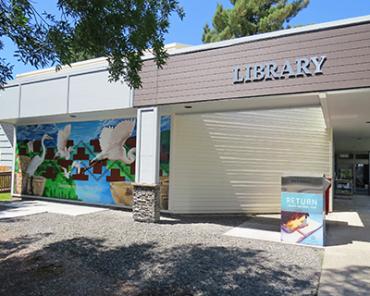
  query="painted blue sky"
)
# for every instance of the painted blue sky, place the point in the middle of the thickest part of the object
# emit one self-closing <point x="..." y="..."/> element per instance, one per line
<point x="95" y="191"/>
<point x="199" y="12"/>
<point x="81" y="131"/>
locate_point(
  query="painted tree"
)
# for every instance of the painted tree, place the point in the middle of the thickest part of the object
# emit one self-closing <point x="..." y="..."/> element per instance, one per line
<point x="121" y="30"/>
<point x="249" y="17"/>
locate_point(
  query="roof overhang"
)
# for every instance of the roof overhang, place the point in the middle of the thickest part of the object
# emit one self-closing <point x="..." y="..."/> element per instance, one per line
<point x="347" y="112"/>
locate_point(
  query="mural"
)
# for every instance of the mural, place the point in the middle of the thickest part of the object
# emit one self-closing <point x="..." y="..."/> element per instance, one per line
<point x="92" y="162"/>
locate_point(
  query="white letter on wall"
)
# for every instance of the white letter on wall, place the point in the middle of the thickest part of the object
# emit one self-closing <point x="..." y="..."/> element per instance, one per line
<point x="318" y="63"/>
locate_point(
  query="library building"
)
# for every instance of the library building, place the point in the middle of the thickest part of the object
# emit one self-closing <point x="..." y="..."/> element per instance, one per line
<point x="213" y="131"/>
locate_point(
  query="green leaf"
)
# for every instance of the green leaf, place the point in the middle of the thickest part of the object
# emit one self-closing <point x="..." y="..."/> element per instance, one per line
<point x="249" y="17"/>
<point x="120" y="30"/>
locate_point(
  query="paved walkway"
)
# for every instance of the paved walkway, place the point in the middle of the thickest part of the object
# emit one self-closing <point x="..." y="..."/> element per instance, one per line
<point x="24" y="208"/>
<point x="346" y="265"/>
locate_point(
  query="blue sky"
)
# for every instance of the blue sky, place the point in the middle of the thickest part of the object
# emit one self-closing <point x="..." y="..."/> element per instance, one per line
<point x="199" y="12"/>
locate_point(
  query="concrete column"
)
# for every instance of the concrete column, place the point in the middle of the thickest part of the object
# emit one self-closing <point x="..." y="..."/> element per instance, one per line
<point x="146" y="199"/>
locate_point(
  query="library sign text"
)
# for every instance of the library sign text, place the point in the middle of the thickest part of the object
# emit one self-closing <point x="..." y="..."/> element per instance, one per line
<point x="301" y="67"/>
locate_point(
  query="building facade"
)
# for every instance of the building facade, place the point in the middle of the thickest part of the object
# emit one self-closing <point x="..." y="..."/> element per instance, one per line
<point x="212" y="132"/>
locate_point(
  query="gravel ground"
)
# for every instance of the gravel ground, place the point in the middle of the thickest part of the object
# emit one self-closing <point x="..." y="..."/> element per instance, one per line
<point x="106" y="253"/>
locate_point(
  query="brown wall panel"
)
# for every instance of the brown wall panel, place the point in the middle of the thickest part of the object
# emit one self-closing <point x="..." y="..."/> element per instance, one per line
<point x="284" y="50"/>
<point x="220" y="91"/>
<point x="357" y="52"/>
<point x="346" y="49"/>
<point x="262" y="46"/>
<point x="207" y="75"/>
<point x="213" y="78"/>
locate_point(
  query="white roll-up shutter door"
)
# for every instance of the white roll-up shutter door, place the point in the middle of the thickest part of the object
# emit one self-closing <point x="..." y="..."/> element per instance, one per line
<point x="233" y="161"/>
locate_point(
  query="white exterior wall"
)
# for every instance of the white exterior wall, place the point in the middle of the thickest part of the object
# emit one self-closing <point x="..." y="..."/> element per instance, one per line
<point x="43" y="98"/>
<point x="93" y="92"/>
<point x="6" y="150"/>
<point x="80" y="89"/>
<point x="233" y="162"/>
<point x="9" y="97"/>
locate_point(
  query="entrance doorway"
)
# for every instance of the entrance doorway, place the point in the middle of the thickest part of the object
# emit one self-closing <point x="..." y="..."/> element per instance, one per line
<point x="347" y="114"/>
<point x="361" y="174"/>
<point x="352" y="174"/>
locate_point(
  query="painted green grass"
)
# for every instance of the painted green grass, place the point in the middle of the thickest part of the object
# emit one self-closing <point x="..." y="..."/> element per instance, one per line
<point x="5" y="196"/>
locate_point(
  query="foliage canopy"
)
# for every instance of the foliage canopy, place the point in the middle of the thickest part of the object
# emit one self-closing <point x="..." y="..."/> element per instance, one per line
<point x="120" y="30"/>
<point x="249" y="17"/>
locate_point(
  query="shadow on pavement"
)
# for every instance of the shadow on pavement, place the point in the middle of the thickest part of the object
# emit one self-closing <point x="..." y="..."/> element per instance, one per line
<point x="347" y="281"/>
<point x="342" y="233"/>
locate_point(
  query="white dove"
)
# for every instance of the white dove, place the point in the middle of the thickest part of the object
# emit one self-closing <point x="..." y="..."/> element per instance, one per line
<point x="112" y="140"/>
<point x="62" y="140"/>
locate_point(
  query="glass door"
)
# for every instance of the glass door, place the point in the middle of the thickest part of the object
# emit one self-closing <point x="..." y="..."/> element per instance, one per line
<point x="361" y="173"/>
<point x="344" y="176"/>
<point x="361" y="178"/>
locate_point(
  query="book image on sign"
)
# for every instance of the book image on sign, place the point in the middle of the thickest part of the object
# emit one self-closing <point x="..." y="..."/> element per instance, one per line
<point x="297" y="227"/>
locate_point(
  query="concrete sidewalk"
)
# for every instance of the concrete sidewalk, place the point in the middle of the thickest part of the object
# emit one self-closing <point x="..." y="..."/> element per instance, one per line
<point x="31" y="207"/>
<point x="346" y="265"/>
